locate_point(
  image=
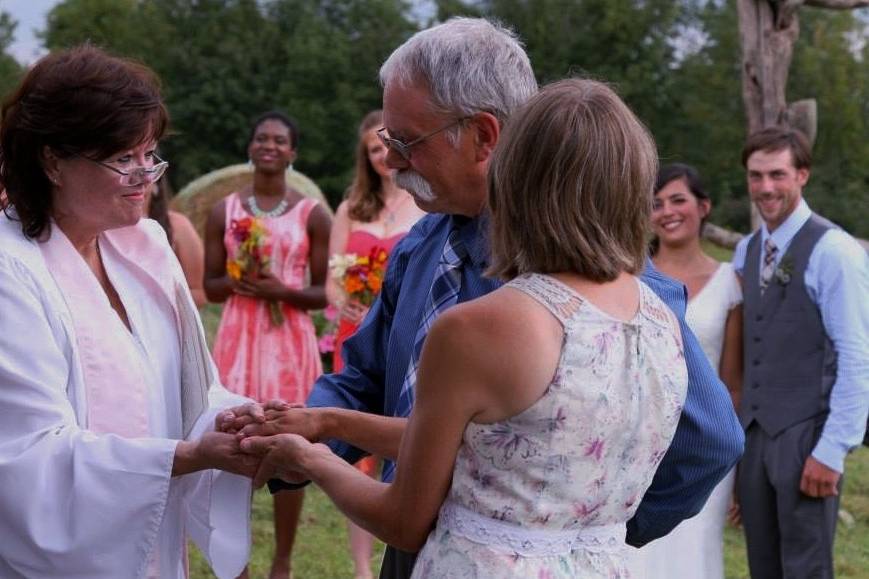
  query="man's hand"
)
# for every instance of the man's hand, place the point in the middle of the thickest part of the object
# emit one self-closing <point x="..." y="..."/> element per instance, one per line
<point x="281" y="457"/>
<point x="234" y="419"/>
<point x="287" y="419"/>
<point x="819" y="480"/>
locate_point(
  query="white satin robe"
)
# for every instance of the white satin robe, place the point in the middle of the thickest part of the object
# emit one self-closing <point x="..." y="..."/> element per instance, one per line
<point x="78" y="505"/>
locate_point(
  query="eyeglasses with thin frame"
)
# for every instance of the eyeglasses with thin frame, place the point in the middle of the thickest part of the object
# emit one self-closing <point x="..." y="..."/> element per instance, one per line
<point x="136" y="175"/>
<point x="403" y="148"/>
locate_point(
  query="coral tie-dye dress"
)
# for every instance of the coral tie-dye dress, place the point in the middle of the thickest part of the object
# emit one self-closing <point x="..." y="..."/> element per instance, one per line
<point x="254" y="357"/>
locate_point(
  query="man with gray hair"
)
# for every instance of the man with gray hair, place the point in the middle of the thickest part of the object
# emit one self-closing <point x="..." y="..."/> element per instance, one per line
<point x="447" y="92"/>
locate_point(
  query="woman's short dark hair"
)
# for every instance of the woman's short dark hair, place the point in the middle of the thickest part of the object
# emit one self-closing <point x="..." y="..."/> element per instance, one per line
<point x="281" y="118"/>
<point x="80" y="101"/>
<point x="675" y="171"/>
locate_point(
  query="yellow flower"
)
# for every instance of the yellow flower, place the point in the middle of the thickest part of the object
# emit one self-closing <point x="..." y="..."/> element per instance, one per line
<point x="233" y="270"/>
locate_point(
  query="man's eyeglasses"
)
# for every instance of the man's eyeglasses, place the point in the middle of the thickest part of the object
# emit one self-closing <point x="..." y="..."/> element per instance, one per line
<point x="403" y="148"/>
<point x="136" y="175"/>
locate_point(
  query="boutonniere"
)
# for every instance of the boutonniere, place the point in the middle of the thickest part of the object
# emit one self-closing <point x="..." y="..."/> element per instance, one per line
<point x="782" y="273"/>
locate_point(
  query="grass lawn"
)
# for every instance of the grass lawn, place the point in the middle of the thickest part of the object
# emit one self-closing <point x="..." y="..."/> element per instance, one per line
<point x="321" y="545"/>
<point x="321" y="548"/>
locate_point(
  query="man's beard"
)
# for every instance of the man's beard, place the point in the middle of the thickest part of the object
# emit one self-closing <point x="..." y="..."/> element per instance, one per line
<point x="414" y="184"/>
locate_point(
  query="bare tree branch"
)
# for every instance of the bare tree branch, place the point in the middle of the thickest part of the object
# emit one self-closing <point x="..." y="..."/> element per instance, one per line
<point x="837" y="4"/>
<point x="728" y="239"/>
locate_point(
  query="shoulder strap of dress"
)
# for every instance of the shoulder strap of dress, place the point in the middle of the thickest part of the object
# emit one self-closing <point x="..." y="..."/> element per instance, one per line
<point x="560" y="300"/>
<point x="302" y="210"/>
<point x="231" y="205"/>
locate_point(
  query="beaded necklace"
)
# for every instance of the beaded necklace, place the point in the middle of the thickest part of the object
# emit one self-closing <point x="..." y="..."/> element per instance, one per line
<point x="276" y="211"/>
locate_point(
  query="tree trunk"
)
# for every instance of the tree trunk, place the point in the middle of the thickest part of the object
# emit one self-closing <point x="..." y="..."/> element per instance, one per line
<point x="767" y="31"/>
<point x="720" y="236"/>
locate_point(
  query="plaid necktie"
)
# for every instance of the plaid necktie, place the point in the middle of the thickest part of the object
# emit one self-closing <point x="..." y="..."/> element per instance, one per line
<point x="444" y="294"/>
<point x="770" y="251"/>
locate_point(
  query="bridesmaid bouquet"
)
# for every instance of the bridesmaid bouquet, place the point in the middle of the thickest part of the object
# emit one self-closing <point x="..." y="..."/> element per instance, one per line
<point x="361" y="277"/>
<point x="252" y="256"/>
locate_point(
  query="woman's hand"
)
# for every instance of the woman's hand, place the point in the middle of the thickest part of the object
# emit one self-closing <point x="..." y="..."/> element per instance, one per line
<point x="353" y="312"/>
<point x="734" y="514"/>
<point x="282" y="456"/>
<point x="216" y="450"/>
<point x="264" y="286"/>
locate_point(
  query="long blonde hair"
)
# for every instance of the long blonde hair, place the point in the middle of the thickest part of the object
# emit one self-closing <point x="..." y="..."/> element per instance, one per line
<point x="365" y="195"/>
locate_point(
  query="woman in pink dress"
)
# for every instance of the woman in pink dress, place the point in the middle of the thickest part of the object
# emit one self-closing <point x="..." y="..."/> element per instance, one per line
<point x="257" y="353"/>
<point x="182" y="236"/>
<point x="376" y="214"/>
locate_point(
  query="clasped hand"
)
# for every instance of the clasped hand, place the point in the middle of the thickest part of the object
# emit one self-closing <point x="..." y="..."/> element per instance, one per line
<point x="275" y="435"/>
<point x="265" y="285"/>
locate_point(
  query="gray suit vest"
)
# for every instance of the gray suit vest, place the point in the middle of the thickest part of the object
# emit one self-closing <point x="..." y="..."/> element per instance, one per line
<point x="790" y="364"/>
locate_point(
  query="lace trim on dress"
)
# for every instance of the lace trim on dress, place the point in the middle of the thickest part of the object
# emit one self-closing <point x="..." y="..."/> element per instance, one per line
<point x="514" y="539"/>
<point x="549" y="292"/>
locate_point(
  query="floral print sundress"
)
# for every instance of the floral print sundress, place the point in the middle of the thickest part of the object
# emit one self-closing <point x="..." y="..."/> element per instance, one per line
<point x="547" y="493"/>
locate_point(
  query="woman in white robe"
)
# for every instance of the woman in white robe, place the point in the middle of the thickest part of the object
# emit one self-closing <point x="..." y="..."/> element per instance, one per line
<point x="107" y="390"/>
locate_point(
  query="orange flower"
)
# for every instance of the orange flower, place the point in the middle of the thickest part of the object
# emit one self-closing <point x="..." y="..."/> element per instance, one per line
<point x="375" y="282"/>
<point x="352" y="284"/>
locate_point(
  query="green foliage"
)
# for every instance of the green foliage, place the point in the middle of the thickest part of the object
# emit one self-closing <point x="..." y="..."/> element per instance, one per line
<point x="825" y="68"/>
<point x="321" y="547"/>
<point x="692" y="99"/>
<point x="223" y="62"/>
<point x="10" y="70"/>
<point x="705" y="124"/>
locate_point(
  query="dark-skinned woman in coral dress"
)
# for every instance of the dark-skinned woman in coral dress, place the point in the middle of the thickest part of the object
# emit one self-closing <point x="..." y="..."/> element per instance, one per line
<point x="266" y="345"/>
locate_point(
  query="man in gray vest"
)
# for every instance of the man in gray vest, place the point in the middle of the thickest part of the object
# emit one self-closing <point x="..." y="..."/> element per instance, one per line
<point x="806" y="389"/>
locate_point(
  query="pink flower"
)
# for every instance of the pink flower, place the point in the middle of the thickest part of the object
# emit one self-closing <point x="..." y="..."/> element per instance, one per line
<point x="330" y="313"/>
<point x="594" y="448"/>
<point x="326" y="343"/>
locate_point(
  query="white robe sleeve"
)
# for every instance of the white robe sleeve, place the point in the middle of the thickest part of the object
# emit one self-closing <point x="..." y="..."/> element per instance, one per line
<point x="218" y="503"/>
<point x="73" y="504"/>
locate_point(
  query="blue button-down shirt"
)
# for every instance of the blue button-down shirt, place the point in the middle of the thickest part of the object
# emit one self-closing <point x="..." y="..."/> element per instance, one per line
<point x="708" y="440"/>
<point x="837" y="281"/>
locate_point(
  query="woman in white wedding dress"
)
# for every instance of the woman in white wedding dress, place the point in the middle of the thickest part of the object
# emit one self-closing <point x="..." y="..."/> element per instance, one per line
<point x="695" y="549"/>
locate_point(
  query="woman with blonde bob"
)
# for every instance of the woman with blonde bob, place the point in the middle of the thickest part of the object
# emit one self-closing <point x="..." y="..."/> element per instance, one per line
<point x="542" y="409"/>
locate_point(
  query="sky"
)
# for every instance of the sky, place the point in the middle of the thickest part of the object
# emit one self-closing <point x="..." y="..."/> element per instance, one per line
<point x="30" y="15"/>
